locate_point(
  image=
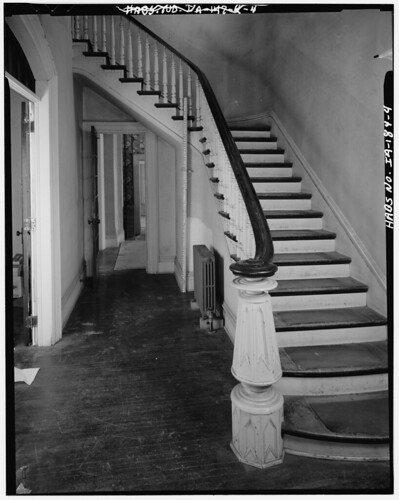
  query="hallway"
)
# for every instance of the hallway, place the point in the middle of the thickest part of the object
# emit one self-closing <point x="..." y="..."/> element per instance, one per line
<point x="136" y="398"/>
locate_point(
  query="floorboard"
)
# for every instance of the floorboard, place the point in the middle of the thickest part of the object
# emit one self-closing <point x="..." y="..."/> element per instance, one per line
<point x="135" y="398"/>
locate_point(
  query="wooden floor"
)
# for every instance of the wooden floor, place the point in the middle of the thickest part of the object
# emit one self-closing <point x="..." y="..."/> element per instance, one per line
<point x="136" y="398"/>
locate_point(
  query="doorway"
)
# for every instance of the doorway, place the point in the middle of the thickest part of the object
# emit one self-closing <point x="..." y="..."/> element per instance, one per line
<point x="23" y="225"/>
<point x="132" y="251"/>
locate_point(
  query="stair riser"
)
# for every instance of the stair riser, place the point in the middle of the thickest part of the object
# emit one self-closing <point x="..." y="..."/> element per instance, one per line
<point x="288" y="204"/>
<point x="256" y="145"/>
<point x="250" y="133"/>
<point x="314" y="301"/>
<point x="304" y="246"/>
<point x="312" y="271"/>
<point x="277" y="187"/>
<point x="294" y="445"/>
<point x="325" y="386"/>
<point x="295" y="223"/>
<point x="269" y="172"/>
<point x="297" y="338"/>
<point x="262" y="158"/>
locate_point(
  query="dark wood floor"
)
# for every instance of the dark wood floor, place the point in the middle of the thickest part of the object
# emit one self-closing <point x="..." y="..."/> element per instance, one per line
<point x="136" y="398"/>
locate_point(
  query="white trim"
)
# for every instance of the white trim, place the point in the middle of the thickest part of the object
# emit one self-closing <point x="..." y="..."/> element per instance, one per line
<point x="342" y="220"/>
<point x="20" y="89"/>
<point x="71" y="295"/>
<point x="179" y="277"/>
<point x="167" y="266"/>
<point x="230" y="320"/>
<point x="114" y="127"/>
<point x="152" y="207"/>
<point x="101" y="190"/>
<point x="45" y="250"/>
<point x="115" y="181"/>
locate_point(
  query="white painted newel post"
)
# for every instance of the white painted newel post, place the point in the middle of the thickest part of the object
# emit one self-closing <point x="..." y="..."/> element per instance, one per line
<point x="257" y="408"/>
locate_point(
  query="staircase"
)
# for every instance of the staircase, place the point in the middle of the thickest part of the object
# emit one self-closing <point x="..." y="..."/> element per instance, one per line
<point x="333" y="347"/>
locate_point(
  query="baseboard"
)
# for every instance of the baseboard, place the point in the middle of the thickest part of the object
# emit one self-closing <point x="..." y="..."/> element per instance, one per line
<point x="230" y="320"/>
<point x="350" y="240"/>
<point x="120" y="237"/>
<point x="71" y="294"/>
<point x="179" y="277"/>
<point x="111" y="242"/>
<point x="166" y="266"/>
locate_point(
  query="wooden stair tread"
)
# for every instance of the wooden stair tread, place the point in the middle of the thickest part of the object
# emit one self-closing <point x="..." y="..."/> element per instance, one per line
<point x="255" y="180"/>
<point x="314" y="319"/>
<point x="286" y="195"/>
<point x="335" y="360"/>
<point x="283" y="164"/>
<point x="318" y="286"/>
<point x="302" y="234"/>
<point x="255" y="139"/>
<point x="308" y="258"/>
<point x="259" y="128"/>
<point x="292" y="214"/>
<point x="361" y="418"/>
<point x="276" y="151"/>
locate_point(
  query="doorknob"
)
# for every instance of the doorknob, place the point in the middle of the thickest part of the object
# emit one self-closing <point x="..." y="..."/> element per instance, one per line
<point x="94" y="221"/>
<point x="18" y="233"/>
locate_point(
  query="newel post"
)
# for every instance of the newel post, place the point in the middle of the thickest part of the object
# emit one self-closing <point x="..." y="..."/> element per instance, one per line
<point x="257" y="408"/>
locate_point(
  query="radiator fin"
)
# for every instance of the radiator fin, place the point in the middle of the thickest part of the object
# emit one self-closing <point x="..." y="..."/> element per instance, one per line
<point x="204" y="279"/>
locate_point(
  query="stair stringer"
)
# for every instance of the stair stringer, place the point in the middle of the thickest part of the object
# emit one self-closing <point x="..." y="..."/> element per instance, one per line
<point x="363" y="266"/>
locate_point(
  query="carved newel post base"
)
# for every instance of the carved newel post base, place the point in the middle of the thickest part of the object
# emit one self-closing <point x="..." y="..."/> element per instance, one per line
<point x="257" y="408"/>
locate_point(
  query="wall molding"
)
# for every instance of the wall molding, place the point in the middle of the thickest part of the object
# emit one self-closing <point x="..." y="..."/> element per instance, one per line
<point x="72" y="293"/>
<point x="340" y="217"/>
<point x="179" y="277"/>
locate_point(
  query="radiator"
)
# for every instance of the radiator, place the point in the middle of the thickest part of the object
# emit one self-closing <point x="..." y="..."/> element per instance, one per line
<point x="204" y="279"/>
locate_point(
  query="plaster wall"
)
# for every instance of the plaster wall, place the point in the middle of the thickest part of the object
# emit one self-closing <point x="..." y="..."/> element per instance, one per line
<point x="327" y="90"/>
<point x="228" y="49"/>
<point x="167" y="202"/>
<point x="317" y="72"/>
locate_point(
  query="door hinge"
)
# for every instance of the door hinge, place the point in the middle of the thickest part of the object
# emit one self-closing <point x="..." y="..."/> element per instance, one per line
<point x="29" y="125"/>
<point x="31" y="321"/>
<point x="29" y="224"/>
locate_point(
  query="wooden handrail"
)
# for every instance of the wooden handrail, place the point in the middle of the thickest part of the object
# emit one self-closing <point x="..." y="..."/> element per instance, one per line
<point x="261" y="265"/>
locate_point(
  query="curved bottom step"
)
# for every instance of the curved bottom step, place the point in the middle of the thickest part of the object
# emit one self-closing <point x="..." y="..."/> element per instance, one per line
<point x="353" y="427"/>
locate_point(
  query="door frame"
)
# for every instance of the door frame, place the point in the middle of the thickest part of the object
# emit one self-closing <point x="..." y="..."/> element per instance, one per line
<point x="45" y="185"/>
<point x="29" y="96"/>
<point x="151" y="183"/>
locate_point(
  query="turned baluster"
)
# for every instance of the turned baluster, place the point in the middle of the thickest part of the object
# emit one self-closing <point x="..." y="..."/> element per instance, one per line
<point x="130" y="72"/>
<point x="95" y="34"/>
<point x="181" y="86"/>
<point x="197" y="102"/>
<point x="86" y="27"/>
<point x="104" y="35"/>
<point x="77" y="27"/>
<point x="139" y="56"/>
<point x="113" y="56"/>
<point x="189" y="98"/>
<point x="156" y="68"/>
<point x="173" y="80"/>
<point x="122" y="43"/>
<point x="147" y="64"/>
<point x="164" y="76"/>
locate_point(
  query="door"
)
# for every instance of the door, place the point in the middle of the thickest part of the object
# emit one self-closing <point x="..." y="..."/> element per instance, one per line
<point x="94" y="221"/>
<point x="28" y="223"/>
